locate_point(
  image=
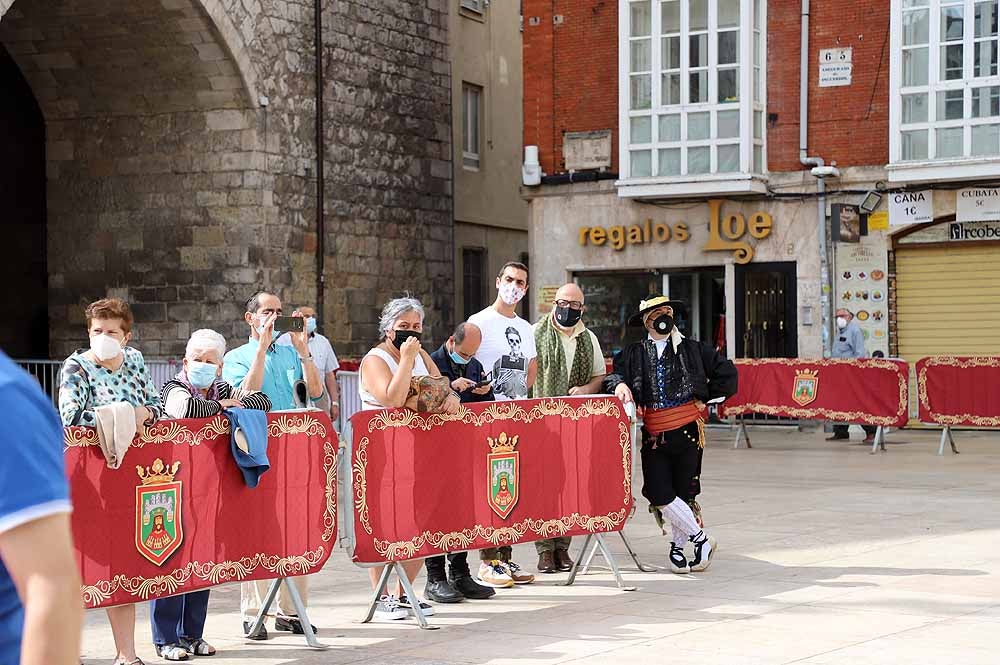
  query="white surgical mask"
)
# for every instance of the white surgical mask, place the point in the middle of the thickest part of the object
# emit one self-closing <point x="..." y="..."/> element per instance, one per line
<point x="841" y="322"/>
<point x="511" y="293"/>
<point x="105" y="347"/>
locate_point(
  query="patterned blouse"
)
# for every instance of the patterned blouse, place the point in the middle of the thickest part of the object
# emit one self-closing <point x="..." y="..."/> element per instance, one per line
<point x="85" y="385"/>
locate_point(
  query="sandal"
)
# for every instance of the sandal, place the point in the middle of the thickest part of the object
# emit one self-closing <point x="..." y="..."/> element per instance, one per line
<point x="173" y="652"/>
<point x="198" y="647"/>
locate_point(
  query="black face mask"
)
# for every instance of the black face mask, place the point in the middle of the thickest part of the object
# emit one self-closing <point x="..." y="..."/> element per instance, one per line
<point x="663" y="324"/>
<point x="402" y="336"/>
<point x="567" y="317"/>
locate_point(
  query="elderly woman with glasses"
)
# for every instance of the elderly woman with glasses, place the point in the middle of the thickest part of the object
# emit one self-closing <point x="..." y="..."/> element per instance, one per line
<point x="384" y="383"/>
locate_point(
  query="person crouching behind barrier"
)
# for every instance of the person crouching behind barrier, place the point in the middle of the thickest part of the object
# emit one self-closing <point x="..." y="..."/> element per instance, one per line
<point x="384" y="383"/>
<point x="670" y="378"/>
<point x="197" y="391"/>
<point x="109" y="372"/>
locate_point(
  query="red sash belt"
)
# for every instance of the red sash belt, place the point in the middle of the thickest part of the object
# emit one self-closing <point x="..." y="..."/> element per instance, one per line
<point x="657" y="421"/>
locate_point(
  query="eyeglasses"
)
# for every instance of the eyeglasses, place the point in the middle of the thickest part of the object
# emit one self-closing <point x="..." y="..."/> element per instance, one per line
<point x="572" y="304"/>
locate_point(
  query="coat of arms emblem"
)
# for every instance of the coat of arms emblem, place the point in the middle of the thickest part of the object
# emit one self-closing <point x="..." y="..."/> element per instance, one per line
<point x="158" y="529"/>
<point x="805" y="387"/>
<point x="503" y="467"/>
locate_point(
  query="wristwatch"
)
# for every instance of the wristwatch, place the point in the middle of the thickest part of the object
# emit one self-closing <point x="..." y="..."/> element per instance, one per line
<point x="309" y="357"/>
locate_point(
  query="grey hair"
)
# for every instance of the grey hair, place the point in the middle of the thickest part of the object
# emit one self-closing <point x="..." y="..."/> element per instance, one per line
<point x="394" y="309"/>
<point x="205" y="340"/>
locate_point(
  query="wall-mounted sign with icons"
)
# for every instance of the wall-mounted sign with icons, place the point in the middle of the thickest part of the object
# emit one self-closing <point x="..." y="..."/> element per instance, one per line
<point x="863" y="288"/>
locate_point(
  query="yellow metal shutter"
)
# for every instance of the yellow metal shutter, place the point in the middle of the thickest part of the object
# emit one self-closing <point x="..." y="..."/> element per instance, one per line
<point x="948" y="301"/>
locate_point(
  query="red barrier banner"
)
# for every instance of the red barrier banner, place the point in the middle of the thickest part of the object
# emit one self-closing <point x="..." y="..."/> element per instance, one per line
<point x="959" y="391"/>
<point x="498" y="473"/>
<point x="873" y="391"/>
<point x="177" y="515"/>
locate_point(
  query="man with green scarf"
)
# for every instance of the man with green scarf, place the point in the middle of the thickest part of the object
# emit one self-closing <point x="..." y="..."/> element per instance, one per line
<point x="570" y="362"/>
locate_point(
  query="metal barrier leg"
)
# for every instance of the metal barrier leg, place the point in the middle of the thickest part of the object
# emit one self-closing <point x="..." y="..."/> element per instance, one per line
<point x="585" y="568"/>
<point x="946" y="436"/>
<point x="272" y="592"/>
<point x="742" y="433"/>
<point x="951" y="439"/>
<point x="879" y="439"/>
<point x="383" y="581"/>
<point x="610" y="558"/>
<point x="414" y="600"/>
<point x="643" y="568"/>
<point x="576" y="564"/>
<point x="300" y="612"/>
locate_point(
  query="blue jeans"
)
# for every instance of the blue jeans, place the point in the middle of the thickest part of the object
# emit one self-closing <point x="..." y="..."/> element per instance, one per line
<point x="178" y="617"/>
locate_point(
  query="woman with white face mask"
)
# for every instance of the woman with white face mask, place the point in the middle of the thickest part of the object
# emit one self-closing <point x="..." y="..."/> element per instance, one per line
<point x="108" y="372"/>
<point x="198" y="390"/>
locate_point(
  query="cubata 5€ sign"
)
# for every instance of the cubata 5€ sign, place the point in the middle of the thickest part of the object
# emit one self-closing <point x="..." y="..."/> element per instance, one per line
<point x="725" y="233"/>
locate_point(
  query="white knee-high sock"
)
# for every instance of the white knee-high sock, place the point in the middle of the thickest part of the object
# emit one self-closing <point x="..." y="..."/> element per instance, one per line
<point x="680" y="516"/>
<point x="679" y="537"/>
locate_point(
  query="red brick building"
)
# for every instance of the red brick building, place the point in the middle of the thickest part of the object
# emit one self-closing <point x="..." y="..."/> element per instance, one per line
<point x="668" y="133"/>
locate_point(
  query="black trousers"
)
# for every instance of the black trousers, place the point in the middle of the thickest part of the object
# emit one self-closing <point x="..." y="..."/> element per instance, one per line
<point x="671" y="465"/>
<point x="459" y="562"/>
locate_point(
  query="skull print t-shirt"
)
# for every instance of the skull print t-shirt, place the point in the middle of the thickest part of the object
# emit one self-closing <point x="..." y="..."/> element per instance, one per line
<point x="508" y="347"/>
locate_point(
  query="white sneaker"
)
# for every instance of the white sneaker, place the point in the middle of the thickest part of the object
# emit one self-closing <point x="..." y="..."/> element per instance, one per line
<point x="678" y="562"/>
<point x="425" y="609"/>
<point x="704" y="549"/>
<point x="388" y="609"/>
<point x="495" y="574"/>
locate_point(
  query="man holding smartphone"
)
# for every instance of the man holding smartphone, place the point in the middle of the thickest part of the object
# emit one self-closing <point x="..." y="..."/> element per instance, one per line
<point x="456" y="360"/>
<point x="325" y="360"/>
<point x="262" y="365"/>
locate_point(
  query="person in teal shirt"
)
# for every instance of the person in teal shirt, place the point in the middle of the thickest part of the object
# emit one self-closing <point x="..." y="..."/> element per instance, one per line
<point x="262" y="365"/>
<point x="273" y="369"/>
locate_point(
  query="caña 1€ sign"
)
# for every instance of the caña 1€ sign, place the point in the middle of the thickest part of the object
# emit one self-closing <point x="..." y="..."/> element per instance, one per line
<point x="725" y="234"/>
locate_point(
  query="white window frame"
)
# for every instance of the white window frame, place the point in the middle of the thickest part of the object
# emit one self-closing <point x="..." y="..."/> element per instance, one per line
<point x="751" y="106"/>
<point x="932" y="168"/>
<point x="472" y="107"/>
<point x="477" y="6"/>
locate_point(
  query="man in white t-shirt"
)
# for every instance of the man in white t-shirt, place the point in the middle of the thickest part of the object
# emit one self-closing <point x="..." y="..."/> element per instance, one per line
<point x="508" y="352"/>
<point x="508" y="347"/>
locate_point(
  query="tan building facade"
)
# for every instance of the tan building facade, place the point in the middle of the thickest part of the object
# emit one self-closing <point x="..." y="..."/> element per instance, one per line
<point x="490" y="215"/>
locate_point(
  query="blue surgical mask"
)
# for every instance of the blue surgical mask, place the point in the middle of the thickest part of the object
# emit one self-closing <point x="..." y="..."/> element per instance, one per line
<point x="458" y="359"/>
<point x="201" y="375"/>
<point x="311" y="324"/>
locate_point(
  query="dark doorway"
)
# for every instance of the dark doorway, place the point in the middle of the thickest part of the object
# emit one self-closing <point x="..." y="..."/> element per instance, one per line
<point x="24" y="329"/>
<point x="766" y="317"/>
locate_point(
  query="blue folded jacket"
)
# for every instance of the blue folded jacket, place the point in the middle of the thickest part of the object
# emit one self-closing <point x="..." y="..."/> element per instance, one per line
<point x="248" y="442"/>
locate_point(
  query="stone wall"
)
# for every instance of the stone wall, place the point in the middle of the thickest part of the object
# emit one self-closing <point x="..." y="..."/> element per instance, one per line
<point x="171" y="185"/>
<point x="388" y="167"/>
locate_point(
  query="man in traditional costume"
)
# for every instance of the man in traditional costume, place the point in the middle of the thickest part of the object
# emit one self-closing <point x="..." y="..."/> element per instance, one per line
<point x="671" y="378"/>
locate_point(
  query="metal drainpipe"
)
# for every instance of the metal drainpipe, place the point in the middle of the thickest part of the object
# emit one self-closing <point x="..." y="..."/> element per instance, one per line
<point x="320" y="158"/>
<point x="805" y="160"/>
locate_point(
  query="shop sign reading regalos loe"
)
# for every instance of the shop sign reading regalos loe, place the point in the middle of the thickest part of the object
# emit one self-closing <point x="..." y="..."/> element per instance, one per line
<point x="725" y="234"/>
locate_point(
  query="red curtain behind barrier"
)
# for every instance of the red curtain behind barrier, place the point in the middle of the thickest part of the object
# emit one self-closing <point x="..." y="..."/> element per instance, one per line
<point x="872" y="391"/>
<point x="424" y="484"/>
<point x="959" y="391"/>
<point x="286" y="526"/>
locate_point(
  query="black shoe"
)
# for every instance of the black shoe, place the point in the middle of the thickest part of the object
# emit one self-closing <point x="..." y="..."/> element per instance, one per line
<point x="441" y="591"/>
<point x="470" y="589"/>
<point x="290" y="625"/>
<point x="261" y="634"/>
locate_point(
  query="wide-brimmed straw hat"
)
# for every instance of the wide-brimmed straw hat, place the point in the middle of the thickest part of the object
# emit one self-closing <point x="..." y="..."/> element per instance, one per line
<point x="647" y="306"/>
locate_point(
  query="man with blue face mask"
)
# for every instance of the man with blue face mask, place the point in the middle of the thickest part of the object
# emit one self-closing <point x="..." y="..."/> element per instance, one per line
<point x="325" y="360"/>
<point x="455" y="358"/>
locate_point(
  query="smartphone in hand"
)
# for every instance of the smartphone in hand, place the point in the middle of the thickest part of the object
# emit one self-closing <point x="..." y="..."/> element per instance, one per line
<point x="291" y="324"/>
<point x="487" y="380"/>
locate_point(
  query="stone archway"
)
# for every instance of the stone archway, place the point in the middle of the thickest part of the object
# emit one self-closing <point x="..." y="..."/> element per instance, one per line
<point x="156" y="176"/>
